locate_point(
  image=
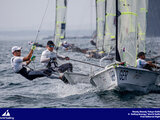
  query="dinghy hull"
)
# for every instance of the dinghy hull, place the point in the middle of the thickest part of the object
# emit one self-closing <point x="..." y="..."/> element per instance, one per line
<point x="125" y="79"/>
<point x="75" y="78"/>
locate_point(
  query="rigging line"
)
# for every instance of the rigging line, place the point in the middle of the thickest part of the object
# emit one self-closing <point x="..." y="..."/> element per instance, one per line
<point x="40" y="28"/>
<point x="42" y="21"/>
<point x="33" y="65"/>
<point x="85" y="62"/>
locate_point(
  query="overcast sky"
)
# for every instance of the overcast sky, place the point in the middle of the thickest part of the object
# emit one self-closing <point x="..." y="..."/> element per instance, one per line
<point x="27" y="14"/>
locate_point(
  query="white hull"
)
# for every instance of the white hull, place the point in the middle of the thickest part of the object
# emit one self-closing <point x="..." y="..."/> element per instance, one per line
<point x="75" y="78"/>
<point x="125" y="79"/>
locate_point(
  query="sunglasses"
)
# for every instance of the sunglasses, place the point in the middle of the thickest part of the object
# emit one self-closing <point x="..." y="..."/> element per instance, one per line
<point x="51" y="46"/>
<point x="17" y="50"/>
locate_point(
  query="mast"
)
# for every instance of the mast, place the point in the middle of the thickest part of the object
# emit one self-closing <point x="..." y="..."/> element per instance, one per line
<point x="117" y="14"/>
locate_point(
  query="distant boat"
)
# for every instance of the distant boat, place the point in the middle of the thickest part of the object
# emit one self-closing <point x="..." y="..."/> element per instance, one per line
<point x="105" y="25"/>
<point x="127" y="77"/>
<point x="60" y="22"/>
<point x="36" y="44"/>
<point x="102" y="37"/>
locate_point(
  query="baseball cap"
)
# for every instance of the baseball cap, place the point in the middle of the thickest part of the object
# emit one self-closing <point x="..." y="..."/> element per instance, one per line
<point x="16" y="48"/>
<point x="65" y="42"/>
<point x="140" y="54"/>
<point x="50" y="43"/>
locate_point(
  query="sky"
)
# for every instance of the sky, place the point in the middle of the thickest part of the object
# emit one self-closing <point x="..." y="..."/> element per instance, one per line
<point x="27" y="15"/>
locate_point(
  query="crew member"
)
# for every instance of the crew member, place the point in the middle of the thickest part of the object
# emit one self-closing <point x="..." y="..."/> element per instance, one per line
<point x="19" y="64"/>
<point x="49" y="60"/>
<point x="142" y="63"/>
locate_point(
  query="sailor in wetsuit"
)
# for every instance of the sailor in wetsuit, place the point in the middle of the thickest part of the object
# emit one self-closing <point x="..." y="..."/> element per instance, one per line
<point x="19" y="64"/>
<point x="49" y="60"/>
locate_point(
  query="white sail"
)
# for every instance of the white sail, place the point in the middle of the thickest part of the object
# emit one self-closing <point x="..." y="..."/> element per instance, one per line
<point x="115" y="75"/>
<point x="127" y="31"/>
<point x="142" y="11"/>
<point x="110" y="26"/>
<point x="100" y="25"/>
<point x="61" y="8"/>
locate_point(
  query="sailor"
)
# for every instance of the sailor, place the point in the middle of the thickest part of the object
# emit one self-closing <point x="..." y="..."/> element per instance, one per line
<point x="93" y="43"/>
<point x="66" y="46"/>
<point x="142" y="63"/>
<point x="95" y="54"/>
<point x="49" y="60"/>
<point x="36" y="44"/>
<point x="19" y="64"/>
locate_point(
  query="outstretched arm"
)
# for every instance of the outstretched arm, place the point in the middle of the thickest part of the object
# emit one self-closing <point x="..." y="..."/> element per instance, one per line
<point x="27" y="62"/>
<point x="28" y="57"/>
<point x="61" y="57"/>
<point x="151" y="64"/>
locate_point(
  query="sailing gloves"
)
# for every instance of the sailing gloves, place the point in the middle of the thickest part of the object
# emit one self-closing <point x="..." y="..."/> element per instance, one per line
<point x="33" y="47"/>
<point x="33" y="58"/>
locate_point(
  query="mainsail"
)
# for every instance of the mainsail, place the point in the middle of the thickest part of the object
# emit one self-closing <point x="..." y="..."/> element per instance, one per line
<point x="142" y="11"/>
<point x="110" y="26"/>
<point x="61" y="8"/>
<point x="100" y="23"/>
<point x="127" y="31"/>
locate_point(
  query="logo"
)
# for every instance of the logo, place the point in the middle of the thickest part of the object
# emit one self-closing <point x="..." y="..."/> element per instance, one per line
<point x="6" y="116"/>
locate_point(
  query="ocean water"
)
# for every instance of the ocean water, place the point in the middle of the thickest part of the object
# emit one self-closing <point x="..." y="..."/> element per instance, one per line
<point x="18" y="92"/>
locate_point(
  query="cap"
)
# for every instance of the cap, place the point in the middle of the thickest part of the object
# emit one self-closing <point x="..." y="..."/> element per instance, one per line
<point x="140" y="54"/>
<point x="65" y="42"/>
<point x="16" y="48"/>
<point x="50" y="43"/>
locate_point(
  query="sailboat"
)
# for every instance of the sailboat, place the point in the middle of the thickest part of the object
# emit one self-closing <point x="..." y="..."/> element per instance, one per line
<point x="126" y="77"/>
<point x="105" y="26"/>
<point x="100" y="6"/>
<point x="100" y="23"/>
<point x="141" y="33"/>
<point x="110" y="25"/>
<point x="60" y="25"/>
<point x="105" y="38"/>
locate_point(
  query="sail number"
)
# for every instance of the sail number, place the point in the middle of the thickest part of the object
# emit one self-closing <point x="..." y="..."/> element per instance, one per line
<point x="123" y="75"/>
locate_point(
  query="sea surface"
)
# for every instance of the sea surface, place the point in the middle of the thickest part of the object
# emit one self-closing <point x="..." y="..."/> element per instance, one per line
<point x="18" y="92"/>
